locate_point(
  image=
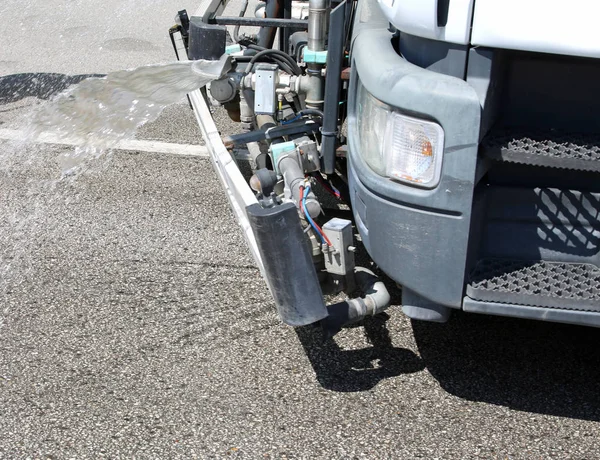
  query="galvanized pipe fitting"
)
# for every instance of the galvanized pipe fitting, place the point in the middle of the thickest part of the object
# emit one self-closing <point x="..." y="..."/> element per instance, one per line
<point x="313" y="87"/>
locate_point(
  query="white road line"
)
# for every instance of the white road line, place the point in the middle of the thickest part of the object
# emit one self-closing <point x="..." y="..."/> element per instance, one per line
<point x="145" y="146"/>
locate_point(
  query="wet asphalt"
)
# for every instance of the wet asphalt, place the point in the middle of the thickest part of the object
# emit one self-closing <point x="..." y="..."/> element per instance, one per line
<point x="134" y="324"/>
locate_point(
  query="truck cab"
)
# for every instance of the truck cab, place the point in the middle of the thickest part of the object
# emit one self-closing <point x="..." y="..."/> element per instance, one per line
<point x="462" y="134"/>
<point x="473" y="149"/>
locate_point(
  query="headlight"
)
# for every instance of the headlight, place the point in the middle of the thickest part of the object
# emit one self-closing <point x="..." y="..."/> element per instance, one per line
<point x="397" y="146"/>
<point x="371" y="121"/>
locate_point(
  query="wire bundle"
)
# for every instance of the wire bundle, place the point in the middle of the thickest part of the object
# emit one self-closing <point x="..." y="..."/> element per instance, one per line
<point x="328" y="186"/>
<point x="283" y="60"/>
<point x="304" y="191"/>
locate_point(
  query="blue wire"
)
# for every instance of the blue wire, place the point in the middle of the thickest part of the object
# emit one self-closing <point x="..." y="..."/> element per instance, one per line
<point x="310" y="221"/>
<point x="335" y="190"/>
<point x="293" y="119"/>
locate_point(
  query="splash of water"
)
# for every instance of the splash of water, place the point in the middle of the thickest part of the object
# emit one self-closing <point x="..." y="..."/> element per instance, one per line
<point x="98" y="113"/>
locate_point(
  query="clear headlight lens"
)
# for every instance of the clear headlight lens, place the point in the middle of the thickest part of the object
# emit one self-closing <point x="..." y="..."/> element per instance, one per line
<point x="371" y="119"/>
<point x="397" y="146"/>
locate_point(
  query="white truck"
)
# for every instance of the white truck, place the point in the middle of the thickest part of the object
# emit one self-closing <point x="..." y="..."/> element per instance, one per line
<point x="463" y="134"/>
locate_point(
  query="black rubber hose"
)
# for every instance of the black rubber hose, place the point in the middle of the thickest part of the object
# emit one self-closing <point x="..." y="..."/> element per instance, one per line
<point x="272" y="53"/>
<point x="317" y="112"/>
<point x="261" y="161"/>
<point x="248" y="44"/>
<point x="251" y="45"/>
<point x="283" y="65"/>
<point x="255" y="58"/>
<point x="288" y="58"/>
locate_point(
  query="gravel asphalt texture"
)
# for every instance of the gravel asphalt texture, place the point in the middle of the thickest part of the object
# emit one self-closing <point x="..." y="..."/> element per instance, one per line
<point x="133" y="324"/>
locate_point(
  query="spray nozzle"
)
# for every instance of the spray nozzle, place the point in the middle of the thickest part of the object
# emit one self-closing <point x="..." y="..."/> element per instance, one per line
<point x="212" y="70"/>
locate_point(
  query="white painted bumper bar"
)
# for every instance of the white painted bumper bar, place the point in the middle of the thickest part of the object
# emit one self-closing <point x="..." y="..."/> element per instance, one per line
<point x="239" y="193"/>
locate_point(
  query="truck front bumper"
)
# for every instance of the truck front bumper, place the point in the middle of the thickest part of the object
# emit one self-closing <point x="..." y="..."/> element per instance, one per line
<point x="419" y="237"/>
<point x="238" y="192"/>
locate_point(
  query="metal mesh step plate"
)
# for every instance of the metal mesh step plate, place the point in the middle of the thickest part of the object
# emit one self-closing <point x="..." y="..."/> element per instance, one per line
<point x="549" y="148"/>
<point x="536" y="283"/>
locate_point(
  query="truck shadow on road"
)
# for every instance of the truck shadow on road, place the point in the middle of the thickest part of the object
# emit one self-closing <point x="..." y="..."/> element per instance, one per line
<point x="357" y="370"/>
<point x="531" y="366"/>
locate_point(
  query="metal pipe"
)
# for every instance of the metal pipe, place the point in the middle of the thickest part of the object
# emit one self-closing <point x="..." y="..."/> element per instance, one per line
<point x="313" y="85"/>
<point x="276" y="132"/>
<point x="335" y="58"/>
<point x="236" y="31"/>
<point x="284" y="43"/>
<point x="317" y="24"/>
<point x="375" y="300"/>
<point x="261" y="22"/>
<point x="265" y="121"/>
<point x="293" y="177"/>
<point x="246" y="109"/>
<point x="266" y="35"/>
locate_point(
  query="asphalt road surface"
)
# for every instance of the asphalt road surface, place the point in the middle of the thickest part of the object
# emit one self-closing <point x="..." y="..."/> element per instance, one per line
<point x="133" y="322"/>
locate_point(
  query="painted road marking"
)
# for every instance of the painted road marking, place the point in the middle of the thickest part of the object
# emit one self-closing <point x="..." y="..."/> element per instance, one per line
<point x="146" y="146"/>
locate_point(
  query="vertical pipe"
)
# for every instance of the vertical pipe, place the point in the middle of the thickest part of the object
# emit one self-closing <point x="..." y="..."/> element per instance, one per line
<point x="335" y="57"/>
<point x="317" y="24"/>
<point x="266" y="35"/>
<point x="285" y="32"/>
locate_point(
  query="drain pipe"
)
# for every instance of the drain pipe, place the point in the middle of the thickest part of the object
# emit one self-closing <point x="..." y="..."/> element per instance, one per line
<point x="375" y="300"/>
